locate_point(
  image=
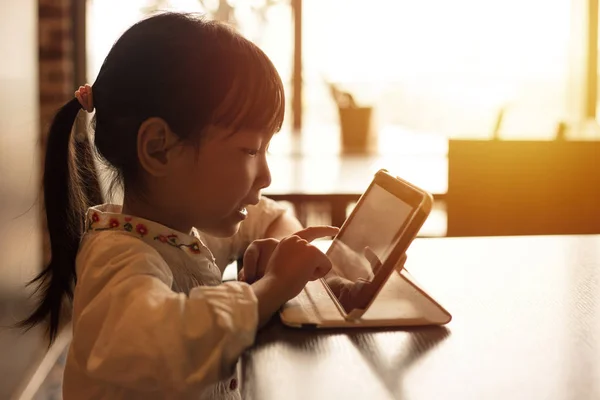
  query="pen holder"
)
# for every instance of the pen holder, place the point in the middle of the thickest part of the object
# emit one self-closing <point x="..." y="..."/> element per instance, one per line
<point x="356" y="130"/>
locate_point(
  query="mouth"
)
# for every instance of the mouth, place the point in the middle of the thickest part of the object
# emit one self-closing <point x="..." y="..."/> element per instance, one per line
<point x="243" y="211"/>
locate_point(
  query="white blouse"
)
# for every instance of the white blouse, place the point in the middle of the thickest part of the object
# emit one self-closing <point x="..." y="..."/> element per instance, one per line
<point x="151" y="318"/>
<point x="254" y="227"/>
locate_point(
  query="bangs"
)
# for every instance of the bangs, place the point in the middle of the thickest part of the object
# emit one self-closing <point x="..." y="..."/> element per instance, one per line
<point x="255" y="99"/>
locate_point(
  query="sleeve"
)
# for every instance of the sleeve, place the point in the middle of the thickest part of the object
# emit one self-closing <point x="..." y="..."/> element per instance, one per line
<point x="131" y="330"/>
<point x="260" y="217"/>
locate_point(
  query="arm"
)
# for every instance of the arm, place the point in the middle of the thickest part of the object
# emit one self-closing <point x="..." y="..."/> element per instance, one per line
<point x="270" y="296"/>
<point x="131" y="330"/>
<point x="284" y="225"/>
<point x="266" y="219"/>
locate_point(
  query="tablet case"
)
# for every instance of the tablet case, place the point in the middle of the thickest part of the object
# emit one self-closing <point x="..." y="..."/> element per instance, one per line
<point x="401" y="302"/>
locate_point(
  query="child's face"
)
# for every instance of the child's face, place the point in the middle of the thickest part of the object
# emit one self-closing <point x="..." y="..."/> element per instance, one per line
<point x="221" y="177"/>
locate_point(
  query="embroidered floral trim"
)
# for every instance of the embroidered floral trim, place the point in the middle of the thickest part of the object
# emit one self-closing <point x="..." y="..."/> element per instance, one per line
<point x="113" y="222"/>
<point x="141" y="229"/>
<point x="173" y="240"/>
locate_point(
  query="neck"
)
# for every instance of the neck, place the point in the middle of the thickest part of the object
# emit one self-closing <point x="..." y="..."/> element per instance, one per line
<point x="140" y="207"/>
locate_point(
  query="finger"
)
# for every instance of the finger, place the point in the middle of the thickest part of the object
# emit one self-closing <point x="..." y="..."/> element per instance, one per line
<point x="241" y="275"/>
<point x="320" y="272"/>
<point x="314" y="232"/>
<point x="265" y="246"/>
<point x="372" y="258"/>
<point x="323" y="263"/>
<point x="250" y="263"/>
<point x="265" y="251"/>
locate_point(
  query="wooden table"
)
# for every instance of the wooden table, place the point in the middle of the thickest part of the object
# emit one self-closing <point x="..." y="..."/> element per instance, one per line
<point x="526" y="326"/>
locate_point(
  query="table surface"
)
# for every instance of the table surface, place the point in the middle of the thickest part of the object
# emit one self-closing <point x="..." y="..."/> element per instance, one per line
<point x="526" y="325"/>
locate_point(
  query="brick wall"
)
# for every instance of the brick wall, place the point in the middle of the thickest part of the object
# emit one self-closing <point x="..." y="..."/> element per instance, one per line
<point x="56" y="60"/>
<point x="56" y="69"/>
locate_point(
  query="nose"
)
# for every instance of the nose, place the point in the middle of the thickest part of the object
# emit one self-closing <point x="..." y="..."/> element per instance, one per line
<point x="263" y="180"/>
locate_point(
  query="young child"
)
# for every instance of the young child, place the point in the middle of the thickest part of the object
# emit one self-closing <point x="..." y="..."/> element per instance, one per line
<point x="267" y="219"/>
<point x="184" y="112"/>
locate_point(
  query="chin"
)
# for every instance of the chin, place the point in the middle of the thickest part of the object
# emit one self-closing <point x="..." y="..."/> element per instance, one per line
<point x="223" y="231"/>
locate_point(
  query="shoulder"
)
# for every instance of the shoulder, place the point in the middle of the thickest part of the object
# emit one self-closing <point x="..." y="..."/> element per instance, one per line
<point x="267" y="205"/>
<point x="110" y="253"/>
<point x="261" y="215"/>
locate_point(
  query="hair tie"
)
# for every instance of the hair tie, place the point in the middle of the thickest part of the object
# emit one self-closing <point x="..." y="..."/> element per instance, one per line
<point x="85" y="97"/>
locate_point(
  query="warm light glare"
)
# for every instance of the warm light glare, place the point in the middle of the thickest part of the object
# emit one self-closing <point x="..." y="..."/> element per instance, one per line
<point x="443" y="66"/>
<point x="438" y="66"/>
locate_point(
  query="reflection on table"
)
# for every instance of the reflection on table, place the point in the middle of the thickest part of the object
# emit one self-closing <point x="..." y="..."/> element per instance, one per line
<point x="526" y="317"/>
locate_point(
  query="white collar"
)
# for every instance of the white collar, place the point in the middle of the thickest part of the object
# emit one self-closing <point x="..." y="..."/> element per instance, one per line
<point x="108" y="217"/>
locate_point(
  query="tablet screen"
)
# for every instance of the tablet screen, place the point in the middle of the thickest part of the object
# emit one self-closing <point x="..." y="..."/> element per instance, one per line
<point x="364" y="243"/>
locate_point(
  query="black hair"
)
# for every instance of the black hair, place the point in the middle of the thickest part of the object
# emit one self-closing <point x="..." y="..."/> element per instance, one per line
<point x="189" y="71"/>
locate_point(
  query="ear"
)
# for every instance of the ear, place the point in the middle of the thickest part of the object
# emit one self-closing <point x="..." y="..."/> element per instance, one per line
<point x="154" y="140"/>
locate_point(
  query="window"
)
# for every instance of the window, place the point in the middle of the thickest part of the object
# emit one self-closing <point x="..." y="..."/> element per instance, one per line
<point x="267" y="23"/>
<point x="431" y="69"/>
<point x="448" y="68"/>
<point x="444" y="67"/>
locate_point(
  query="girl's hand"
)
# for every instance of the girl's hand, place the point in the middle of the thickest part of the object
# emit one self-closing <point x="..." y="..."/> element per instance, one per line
<point x="258" y="254"/>
<point x="295" y="261"/>
<point x="291" y="264"/>
<point x="256" y="258"/>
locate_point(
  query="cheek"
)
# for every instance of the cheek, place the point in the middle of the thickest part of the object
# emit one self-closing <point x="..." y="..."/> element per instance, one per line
<point x="186" y="185"/>
<point x="186" y="177"/>
<point x="215" y="179"/>
<point x="236" y="171"/>
<point x="214" y="184"/>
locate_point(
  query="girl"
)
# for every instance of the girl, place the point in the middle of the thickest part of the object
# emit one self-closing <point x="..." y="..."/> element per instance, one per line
<point x="184" y="112"/>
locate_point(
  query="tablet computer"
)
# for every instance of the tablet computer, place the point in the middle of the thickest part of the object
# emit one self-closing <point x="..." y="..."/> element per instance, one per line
<point x="367" y="258"/>
<point x="373" y="240"/>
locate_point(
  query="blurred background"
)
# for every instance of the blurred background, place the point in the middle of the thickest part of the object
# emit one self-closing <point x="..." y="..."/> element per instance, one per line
<point x="489" y="105"/>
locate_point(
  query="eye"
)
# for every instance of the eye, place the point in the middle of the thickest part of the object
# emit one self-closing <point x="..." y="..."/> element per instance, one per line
<point x="251" y="152"/>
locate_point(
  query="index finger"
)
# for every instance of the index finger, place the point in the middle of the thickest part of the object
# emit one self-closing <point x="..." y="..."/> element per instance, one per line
<point x="372" y="258"/>
<point x="314" y="232"/>
<point x="250" y="262"/>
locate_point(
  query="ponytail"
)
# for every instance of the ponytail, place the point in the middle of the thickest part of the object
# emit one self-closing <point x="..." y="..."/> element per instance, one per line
<point x="70" y="187"/>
